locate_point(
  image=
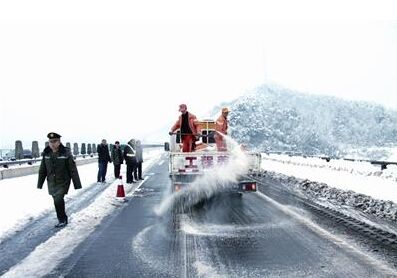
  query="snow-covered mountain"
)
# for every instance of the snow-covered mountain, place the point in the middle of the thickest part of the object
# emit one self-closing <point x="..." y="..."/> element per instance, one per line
<point x="277" y="119"/>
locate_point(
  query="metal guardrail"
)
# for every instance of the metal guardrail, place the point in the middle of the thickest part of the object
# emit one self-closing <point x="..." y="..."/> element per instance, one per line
<point x="152" y="145"/>
<point x="383" y="164"/>
<point x="6" y="164"/>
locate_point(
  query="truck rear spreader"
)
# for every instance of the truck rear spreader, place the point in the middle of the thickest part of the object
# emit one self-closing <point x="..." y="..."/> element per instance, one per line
<point x="185" y="168"/>
<point x="208" y="169"/>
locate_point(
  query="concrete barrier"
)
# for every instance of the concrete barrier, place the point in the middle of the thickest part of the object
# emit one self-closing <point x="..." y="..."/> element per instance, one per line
<point x="30" y="170"/>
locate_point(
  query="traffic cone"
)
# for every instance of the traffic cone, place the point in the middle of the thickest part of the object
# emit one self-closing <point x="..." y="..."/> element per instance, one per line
<point x="120" y="188"/>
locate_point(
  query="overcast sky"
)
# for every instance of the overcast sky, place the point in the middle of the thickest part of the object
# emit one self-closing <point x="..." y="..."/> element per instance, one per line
<point x="91" y="70"/>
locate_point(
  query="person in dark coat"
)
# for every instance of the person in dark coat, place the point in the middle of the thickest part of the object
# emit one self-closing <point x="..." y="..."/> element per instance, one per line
<point x="139" y="159"/>
<point x="117" y="158"/>
<point x="59" y="167"/>
<point x="130" y="160"/>
<point x="103" y="159"/>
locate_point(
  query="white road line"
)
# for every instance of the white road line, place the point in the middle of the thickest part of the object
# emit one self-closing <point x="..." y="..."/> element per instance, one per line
<point x="336" y="240"/>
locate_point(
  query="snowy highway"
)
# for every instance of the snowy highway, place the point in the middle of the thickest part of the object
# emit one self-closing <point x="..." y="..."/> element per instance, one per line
<point x="270" y="233"/>
<point x="229" y="236"/>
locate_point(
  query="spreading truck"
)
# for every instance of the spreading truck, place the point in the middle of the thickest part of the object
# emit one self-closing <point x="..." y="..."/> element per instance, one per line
<point x="186" y="167"/>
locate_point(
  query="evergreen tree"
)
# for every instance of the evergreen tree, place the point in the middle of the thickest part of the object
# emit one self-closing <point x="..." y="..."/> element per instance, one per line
<point x="75" y="149"/>
<point x="35" y="149"/>
<point x="18" y="149"/>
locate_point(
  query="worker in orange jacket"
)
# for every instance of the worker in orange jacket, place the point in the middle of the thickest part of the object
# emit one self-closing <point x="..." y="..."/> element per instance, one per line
<point x="189" y="128"/>
<point x="221" y="126"/>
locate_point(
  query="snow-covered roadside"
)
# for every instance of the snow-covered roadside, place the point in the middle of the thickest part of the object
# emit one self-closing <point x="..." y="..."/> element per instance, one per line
<point x="374" y="194"/>
<point x="353" y="167"/>
<point x="50" y="253"/>
<point x="21" y="201"/>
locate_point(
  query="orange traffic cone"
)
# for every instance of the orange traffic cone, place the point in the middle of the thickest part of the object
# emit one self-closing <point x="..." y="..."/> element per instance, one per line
<point x="120" y="188"/>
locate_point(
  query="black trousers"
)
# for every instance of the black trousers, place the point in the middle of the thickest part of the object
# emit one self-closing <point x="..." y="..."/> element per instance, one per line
<point x="117" y="171"/>
<point x="139" y="168"/>
<point x="131" y="168"/>
<point x="102" y="169"/>
<point x="59" y="203"/>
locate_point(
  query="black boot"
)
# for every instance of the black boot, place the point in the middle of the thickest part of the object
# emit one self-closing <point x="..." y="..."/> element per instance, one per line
<point x="62" y="224"/>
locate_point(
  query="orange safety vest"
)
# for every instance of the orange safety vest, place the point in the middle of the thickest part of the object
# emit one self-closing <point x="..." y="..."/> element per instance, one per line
<point x="221" y="125"/>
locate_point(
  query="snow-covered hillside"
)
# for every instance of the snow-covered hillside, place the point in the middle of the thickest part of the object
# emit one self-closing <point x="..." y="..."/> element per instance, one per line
<point x="278" y="119"/>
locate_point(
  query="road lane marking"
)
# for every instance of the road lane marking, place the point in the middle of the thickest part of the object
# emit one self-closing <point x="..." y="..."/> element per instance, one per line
<point x="381" y="266"/>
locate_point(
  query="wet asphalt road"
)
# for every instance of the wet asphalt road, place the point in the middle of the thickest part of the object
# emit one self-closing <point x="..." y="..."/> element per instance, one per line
<point x="228" y="236"/>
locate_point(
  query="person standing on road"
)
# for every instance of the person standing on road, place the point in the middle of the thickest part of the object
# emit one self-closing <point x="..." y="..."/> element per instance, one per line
<point x="221" y="126"/>
<point x="103" y="159"/>
<point x="117" y="158"/>
<point x="139" y="159"/>
<point x="59" y="167"/>
<point x="189" y="128"/>
<point x="130" y="160"/>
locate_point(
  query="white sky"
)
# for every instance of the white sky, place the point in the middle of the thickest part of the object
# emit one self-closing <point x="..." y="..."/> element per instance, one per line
<point x="91" y="70"/>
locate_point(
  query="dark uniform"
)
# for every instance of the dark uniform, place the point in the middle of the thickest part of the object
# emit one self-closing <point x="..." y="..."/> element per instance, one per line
<point x="103" y="159"/>
<point x="59" y="168"/>
<point x="130" y="160"/>
<point x="117" y="158"/>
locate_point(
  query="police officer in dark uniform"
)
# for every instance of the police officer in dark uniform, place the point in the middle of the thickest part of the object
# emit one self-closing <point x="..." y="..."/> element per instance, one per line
<point x="59" y="167"/>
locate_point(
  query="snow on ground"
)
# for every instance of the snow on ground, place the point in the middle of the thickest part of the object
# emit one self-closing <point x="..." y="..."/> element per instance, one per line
<point x="393" y="154"/>
<point x="357" y="184"/>
<point x="49" y="254"/>
<point x="344" y="181"/>
<point x="388" y="153"/>
<point x="21" y="201"/>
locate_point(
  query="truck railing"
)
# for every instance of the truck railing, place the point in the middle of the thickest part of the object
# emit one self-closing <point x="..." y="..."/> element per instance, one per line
<point x="7" y="163"/>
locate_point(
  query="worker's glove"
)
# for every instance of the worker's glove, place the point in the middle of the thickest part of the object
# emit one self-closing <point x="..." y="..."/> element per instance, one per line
<point x="170" y="133"/>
